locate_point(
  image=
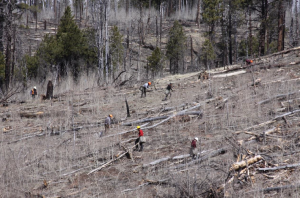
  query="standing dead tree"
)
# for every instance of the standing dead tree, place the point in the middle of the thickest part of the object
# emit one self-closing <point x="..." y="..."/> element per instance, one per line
<point x="49" y="93"/>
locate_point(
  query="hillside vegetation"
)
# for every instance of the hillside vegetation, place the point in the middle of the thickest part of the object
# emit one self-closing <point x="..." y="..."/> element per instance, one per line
<point x="55" y="148"/>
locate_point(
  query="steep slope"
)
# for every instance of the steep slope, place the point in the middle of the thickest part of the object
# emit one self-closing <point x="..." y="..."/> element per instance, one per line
<point x="52" y="148"/>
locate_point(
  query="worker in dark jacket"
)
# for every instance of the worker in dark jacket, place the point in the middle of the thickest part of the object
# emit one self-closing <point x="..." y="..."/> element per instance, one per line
<point x="168" y="91"/>
<point x="33" y="92"/>
<point x="144" y="87"/>
<point x="139" y="141"/>
<point x="249" y="61"/>
<point x="107" y="123"/>
<point x="194" y="150"/>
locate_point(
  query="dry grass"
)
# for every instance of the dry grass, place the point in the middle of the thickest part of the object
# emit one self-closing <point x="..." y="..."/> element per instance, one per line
<point x="52" y="147"/>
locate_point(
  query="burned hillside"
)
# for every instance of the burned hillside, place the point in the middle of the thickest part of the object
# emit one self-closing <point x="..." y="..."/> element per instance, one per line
<point x="246" y="119"/>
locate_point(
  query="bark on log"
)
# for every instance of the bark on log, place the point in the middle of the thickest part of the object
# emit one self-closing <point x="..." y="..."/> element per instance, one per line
<point x="278" y="97"/>
<point x="160" y="118"/>
<point x="110" y="161"/>
<point x="279" y="167"/>
<point x="277" y="188"/>
<point x="148" y="182"/>
<point x="180" y="113"/>
<point x="243" y="164"/>
<point x="286" y="114"/>
<point x="156" y="162"/>
<point x="203" y="158"/>
<point x="32" y="114"/>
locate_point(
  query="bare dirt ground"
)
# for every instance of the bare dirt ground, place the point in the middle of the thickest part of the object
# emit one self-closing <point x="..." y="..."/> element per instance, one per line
<point x="52" y="148"/>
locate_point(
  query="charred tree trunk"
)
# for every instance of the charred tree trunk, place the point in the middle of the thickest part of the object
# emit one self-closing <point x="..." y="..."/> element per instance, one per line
<point x="156" y="31"/>
<point x="8" y="33"/>
<point x="160" y="29"/>
<point x="263" y="27"/>
<point x="198" y="13"/>
<point x="127" y="108"/>
<point x="13" y="54"/>
<point x="296" y="40"/>
<point x="127" y="7"/>
<point x="1" y="29"/>
<point x="142" y="34"/>
<point x="49" y="93"/>
<point x="281" y="25"/>
<point x="192" y="58"/>
<point x="106" y="40"/>
<point x="230" y="34"/>
<point x="250" y="33"/>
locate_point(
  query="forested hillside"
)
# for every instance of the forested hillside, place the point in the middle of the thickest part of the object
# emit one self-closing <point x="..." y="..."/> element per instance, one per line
<point x="112" y="42"/>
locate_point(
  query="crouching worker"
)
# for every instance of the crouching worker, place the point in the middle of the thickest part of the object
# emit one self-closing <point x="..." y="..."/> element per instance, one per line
<point x="107" y="123"/>
<point x="194" y="150"/>
<point x="144" y="88"/>
<point x="249" y="61"/>
<point x="33" y="92"/>
<point x="140" y="140"/>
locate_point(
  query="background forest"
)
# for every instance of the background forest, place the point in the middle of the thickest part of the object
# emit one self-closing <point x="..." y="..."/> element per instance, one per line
<point x="118" y="41"/>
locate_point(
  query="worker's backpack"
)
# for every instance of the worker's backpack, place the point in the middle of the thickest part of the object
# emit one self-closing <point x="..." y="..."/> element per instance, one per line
<point x="142" y="139"/>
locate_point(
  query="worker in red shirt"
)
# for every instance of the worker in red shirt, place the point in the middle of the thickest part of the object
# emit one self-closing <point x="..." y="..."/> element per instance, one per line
<point x="140" y="140"/>
<point x="194" y="150"/>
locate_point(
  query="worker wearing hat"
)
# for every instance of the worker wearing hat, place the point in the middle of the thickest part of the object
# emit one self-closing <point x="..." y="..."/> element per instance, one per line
<point x="108" y="122"/>
<point x="144" y="88"/>
<point x="33" y="92"/>
<point x="194" y="150"/>
<point x="168" y="91"/>
<point x="139" y="141"/>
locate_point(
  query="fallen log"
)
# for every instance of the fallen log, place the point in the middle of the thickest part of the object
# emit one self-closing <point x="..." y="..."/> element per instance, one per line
<point x="245" y="163"/>
<point x="179" y="157"/>
<point x="160" y="118"/>
<point x="279" y="167"/>
<point x="159" y="182"/>
<point x="179" y="113"/>
<point x="156" y="162"/>
<point x="286" y="114"/>
<point x="112" y="160"/>
<point x="107" y="163"/>
<point x="277" y="188"/>
<point x="281" y="96"/>
<point x="172" y="108"/>
<point x="203" y="158"/>
<point x="259" y="125"/>
<point x="31" y="114"/>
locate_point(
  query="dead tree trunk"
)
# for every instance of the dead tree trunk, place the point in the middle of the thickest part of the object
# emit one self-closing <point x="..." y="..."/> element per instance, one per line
<point x="296" y="41"/>
<point x="198" y="13"/>
<point x="127" y="108"/>
<point x="263" y="27"/>
<point x="281" y="26"/>
<point x="49" y="93"/>
<point x="8" y="33"/>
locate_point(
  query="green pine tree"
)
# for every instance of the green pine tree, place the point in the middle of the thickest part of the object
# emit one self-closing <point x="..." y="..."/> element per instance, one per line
<point x="211" y="15"/>
<point x="116" y="48"/>
<point x="156" y="61"/>
<point x="176" y="46"/>
<point x="208" y="54"/>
